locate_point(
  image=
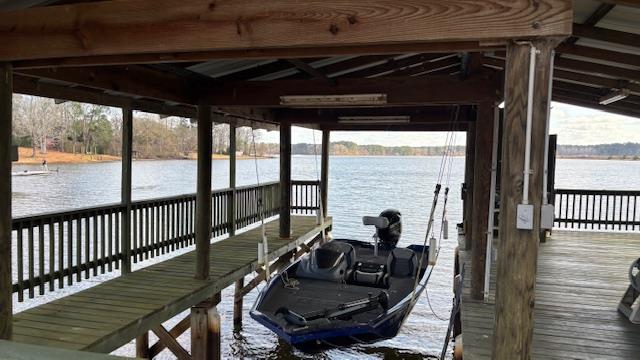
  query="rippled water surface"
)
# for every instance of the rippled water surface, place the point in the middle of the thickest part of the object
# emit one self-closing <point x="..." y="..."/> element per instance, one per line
<point x="358" y="186"/>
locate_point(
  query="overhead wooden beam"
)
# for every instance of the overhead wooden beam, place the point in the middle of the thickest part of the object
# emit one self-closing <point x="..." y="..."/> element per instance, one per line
<point x="259" y="54"/>
<point x="518" y="248"/>
<point x="606" y="35"/>
<point x="428" y="67"/>
<point x="630" y="3"/>
<point x="203" y="195"/>
<point x="416" y="115"/>
<point x="134" y="80"/>
<point x="619" y="107"/>
<point x="397" y="127"/>
<point x="393" y="64"/>
<point x="343" y="68"/>
<point x="600" y="54"/>
<point x="6" y="121"/>
<point x="308" y="69"/>
<point x="437" y="89"/>
<point x="259" y="118"/>
<point x="136" y="26"/>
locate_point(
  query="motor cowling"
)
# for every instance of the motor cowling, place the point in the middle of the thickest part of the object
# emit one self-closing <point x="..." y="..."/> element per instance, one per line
<point x="391" y="234"/>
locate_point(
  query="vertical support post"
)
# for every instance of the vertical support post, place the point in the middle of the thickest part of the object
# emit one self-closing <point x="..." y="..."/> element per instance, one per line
<point x="324" y="172"/>
<point x="285" y="180"/>
<point x="6" y="96"/>
<point x="231" y="213"/>
<point x="237" y="303"/>
<point x="231" y="205"/>
<point x="518" y="249"/>
<point x="551" y="168"/>
<point x="205" y="330"/>
<point x="203" y="194"/>
<point x="142" y="346"/>
<point x="125" y="187"/>
<point x="481" y="194"/>
<point x="468" y="182"/>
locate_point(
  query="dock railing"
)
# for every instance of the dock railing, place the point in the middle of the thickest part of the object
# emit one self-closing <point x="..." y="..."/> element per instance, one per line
<point x="597" y="209"/>
<point x="81" y="243"/>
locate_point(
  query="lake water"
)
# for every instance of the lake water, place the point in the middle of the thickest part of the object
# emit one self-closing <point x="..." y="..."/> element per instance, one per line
<point x="358" y="186"/>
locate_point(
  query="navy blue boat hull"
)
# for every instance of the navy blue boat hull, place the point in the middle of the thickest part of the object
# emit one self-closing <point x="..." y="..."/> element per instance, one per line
<point x="385" y="326"/>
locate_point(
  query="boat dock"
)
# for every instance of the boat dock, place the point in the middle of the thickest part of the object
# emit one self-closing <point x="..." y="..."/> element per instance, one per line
<point x="345" y="65"/>
<point x="109" y="315"/>
<point x="580" y="280"/>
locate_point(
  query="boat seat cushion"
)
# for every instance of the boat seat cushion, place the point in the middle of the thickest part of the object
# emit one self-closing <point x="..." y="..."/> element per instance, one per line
<point x="371" y="274"/>
<point x="402" y="263"/>
<point x="330" y="262"/>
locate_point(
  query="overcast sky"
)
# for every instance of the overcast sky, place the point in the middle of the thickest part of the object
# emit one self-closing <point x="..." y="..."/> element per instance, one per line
<point x="574" y="125"/>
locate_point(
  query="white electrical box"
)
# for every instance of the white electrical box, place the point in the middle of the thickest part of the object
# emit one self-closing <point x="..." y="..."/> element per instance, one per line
<point x="547" y="215"/>
<point x="524" y="217"/>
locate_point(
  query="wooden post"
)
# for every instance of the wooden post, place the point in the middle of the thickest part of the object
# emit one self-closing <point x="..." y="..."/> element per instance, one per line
<point x="6" y="95"/>
<point x="481" y="195"/>
<point x="237" y="303"/>
<point x="125" y="187"/>
<point x="324" y="171"/>
<point x="231" y="213"/>
<point x="551" y="168"/>
<point x="231" y="205"/>
<point x="205" y="331"/>
<point x="468" y="181"/>
<point x="285" y="180"/>
<point x="203" y="195"/>
<point x="142" y="346"/>
<point x="518" y="249"/>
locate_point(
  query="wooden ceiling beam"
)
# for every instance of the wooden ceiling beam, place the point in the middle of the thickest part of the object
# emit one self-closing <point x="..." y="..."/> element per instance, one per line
<point x="600" y="54"/>
<point x="392" y="64"/>
<point x="396" y="127"/>
<point x="428" y="66"/>
<point x="133" y="80"/>
<point x="630" y="3"/>
<point x="404" y="91"/>
<point x="131" y="27"/>
<point x="30" y="86"/>
<point x="349" y="65"/>
<point x="258" y="54"/>
<point x="606" y="35"/>
<point x="259" y="118"/>
<point x="308" y="69"/>
<point x="580" y="100"/>
<point x="581" y="66"/>
<point x="417" y="115"/>
<point x="595" y="81"/>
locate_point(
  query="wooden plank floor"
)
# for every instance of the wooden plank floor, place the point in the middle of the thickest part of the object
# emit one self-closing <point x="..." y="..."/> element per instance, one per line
<point x="108" y="315"/>
<point x="17" y="351"/>
<point x="581" y="278"/>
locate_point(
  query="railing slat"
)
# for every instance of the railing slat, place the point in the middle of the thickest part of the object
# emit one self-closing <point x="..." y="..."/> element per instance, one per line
<point x="90" y="238"/>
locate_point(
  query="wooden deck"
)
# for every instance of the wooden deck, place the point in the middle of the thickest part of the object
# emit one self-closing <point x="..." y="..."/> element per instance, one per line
<point x="581" y="278"/>
<point x="17" y="351"/>
<point x="109" y="315"/>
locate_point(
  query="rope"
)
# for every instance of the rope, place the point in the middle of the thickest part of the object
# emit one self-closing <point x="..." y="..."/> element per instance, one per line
<point x="263" y="229"/>
<point x="445" y="165"/>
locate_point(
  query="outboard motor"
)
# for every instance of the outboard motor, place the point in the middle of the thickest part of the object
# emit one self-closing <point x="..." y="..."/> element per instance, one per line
<point x="390" y="235"/>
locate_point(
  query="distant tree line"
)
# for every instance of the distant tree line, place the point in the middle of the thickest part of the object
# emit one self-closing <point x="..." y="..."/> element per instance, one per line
<point x="351" y="148"/>
<point x="619" y="150"/>
<point x="45" y="124"/>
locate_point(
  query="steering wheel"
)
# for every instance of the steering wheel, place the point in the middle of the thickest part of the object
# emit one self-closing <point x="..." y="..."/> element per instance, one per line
<point x="634" y="274"/>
